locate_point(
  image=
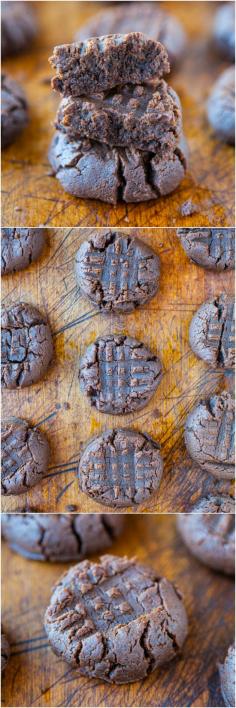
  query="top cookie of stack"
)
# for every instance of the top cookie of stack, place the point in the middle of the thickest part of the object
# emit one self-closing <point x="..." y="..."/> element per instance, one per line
<point x="114" y="95"/>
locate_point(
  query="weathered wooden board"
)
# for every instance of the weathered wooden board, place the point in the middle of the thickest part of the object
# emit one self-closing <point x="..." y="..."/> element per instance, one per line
<point x="162" y="324"/>
<point x="33" y="197"/>
<point x="36" y="677"/>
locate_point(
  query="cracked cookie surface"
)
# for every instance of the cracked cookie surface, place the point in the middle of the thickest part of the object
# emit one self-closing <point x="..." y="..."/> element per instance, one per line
<point x="211" y="248"/>
<point x="146" y="17"/>
<point x="100" y="63"/>
<point x="25" y="456"/>
<point x="118" y="374"/>
<point x="212" y="332"/>
<point x="5" y="650"/>
<point x="227" y="677"/>
<point x="147" y="116"/>
<point x="115" y="620"/>
<point x="222" y="504"/>
<point x="221" y="106"/>
<point x="209" y="435"/>
<point x="93" y="170"/>
<point x="27" y="346"/>
<point x="120" y="468"/>
<point x="117" y="272"/>
<point x="18" y="26"/>
<point x="211" y="538"/>
<point x="60" y="537"/>
<point x="20" y="248"/>
<point x="14" y="110"/>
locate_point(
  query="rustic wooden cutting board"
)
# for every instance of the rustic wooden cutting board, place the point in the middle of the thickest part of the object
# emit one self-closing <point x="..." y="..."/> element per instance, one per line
<point x="36" y="677"/>
<point x="33" y="197"/>
<point x="162" y="324"/>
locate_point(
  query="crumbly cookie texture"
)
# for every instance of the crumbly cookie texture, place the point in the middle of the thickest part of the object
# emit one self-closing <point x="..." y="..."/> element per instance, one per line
<point x="60" y="537"/>
<point x="120" y="468"/>
<point x="116" y="271"/>
<point x="100" y="63"/>
<point x="27" y="346"/>
<point x="115" y="620"/>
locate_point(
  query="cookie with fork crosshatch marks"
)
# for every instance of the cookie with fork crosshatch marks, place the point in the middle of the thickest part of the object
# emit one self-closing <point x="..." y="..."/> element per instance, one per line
<point x="116" y="271"/>
<point x="212" y="332"/>
<point x="118" y="374"/>
<point x="209" y="435"/>
<point x="120" y="468"/>
<point x="115" y="620"/>
<point x="27" y="346"/>
<point x="25" y="456"/>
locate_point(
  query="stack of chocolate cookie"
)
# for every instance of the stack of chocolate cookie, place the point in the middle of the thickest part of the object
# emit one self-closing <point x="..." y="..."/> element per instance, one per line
<point x="119" y="125"/>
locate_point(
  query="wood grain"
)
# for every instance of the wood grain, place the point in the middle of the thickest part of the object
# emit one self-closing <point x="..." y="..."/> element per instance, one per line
<point x="36" y="677"/>
<point x="32" y="196"/>
<point x="162" y="324"/>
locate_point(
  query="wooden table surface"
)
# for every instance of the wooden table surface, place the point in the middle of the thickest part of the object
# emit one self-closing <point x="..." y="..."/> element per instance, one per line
<point x="162" y="324"/>
<point x="33" y="197"/>
<point x="36" y="677"/>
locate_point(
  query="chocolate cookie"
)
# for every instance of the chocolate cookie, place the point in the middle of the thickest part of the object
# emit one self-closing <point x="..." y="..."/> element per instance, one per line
<point x="25" y="456"/>
<point x="146" y="17"/>
<point x="14" y="110"/>
<point x="221" y="106"/>
<point x="117" y="272"/>
<point x="215" y="505"/>
<point x="227" y="677"/>
<point x="211" y="333"/>
<point x="60" y="537"/>
<point x="120" y="468"/>
<point x="115" y="620"/>
<point x="147" y="116"/>
<point x="27" y="346"/>
<point x="18" y="26"/>
<point x="209" y="435"/>
<point x="211" y="538"/>
<point x="118" y="374"/>
<point x="5" y="650"/>
<point x="20" y="248"/>
<point x="100" y="63"/>
<point x="224" y="31"/>
<point x="211" y="248"/>
<point x="92" y="170"/>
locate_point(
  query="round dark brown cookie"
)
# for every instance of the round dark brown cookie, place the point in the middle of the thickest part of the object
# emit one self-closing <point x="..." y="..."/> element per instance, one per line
<point x="120" y="468"/>
<point x="25" y="456"/>
<point x="211" y="538"/>
<point x="115" y="620"/>
<point x="209" y="435"/>
<point x="221" y="106"/>
<point x="211" y="248"/>
<point x="90" y="170"/>
<point x="146" y="17"/>
<point x="215" y="505"/>
<point x="20" y="248"/>
<point x="116" y="271"/>
<point x="212" y="332"/>
<point x="224" y="31"/>
<point x="60" y="537"/>
<point x="27" y="346"/>
<point x="118" y="374"/>
<point x="14" y="110"/>
<point x="227" y="677"/>
<point x="100" y="63"/>
<point x="18" y="26"/>
<point x="5" y="650"/>
<point x="147" y="116"/>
